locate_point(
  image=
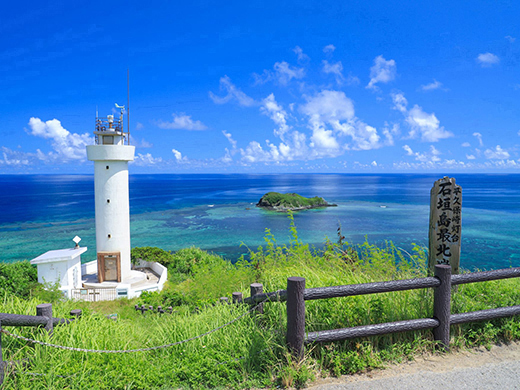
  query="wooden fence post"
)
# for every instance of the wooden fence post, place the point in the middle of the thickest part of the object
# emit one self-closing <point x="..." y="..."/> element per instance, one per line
<point x="257" y="288"/>
<point x="237" y="297"/>
<point x="45" y="310"/>
<point x="442" y="305"/>
<point x="76" y="313"/>
<point x="295" y="316"/>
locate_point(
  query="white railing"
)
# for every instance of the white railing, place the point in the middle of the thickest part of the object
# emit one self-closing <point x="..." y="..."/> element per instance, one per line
<point x="94" y="294"/>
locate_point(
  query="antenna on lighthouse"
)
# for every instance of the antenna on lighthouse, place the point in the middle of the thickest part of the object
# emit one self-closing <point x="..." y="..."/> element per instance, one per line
<point x="128" y="103"/>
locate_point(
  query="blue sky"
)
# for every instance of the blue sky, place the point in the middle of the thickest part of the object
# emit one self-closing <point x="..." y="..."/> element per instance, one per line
<point x="262" y="86"/>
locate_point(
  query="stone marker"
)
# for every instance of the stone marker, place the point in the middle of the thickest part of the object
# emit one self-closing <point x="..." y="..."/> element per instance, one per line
<point x="445" y="224"/>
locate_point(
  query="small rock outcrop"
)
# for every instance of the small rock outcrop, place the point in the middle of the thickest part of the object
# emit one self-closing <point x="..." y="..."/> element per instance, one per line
<point x="291" y="202"/>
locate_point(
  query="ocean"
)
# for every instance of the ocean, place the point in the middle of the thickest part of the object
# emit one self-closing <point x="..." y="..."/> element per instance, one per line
<point x="217" y="213"/>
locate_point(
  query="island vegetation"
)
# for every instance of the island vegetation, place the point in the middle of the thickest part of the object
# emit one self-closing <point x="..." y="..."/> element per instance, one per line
<point x="250" y="352"/>
<point x="291" y="202"/>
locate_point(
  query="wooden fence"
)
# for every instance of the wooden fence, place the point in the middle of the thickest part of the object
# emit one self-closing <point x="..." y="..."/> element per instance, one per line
<point x="296" y="295"/>
<point x="43" y="318"/>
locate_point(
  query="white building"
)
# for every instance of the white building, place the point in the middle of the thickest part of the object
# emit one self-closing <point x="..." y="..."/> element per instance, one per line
<point x="61" y="266"/>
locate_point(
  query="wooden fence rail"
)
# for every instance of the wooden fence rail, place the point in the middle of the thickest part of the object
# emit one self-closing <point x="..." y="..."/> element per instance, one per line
<point x="43" y="318"/>
<point x="296" y="295"/>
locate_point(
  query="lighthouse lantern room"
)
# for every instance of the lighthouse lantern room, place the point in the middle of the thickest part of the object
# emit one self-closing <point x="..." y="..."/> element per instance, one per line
<point x="111" y="155"/>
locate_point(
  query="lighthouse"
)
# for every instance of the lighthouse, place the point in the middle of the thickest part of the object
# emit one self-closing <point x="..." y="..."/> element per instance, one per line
<point x="109" y="276"/>
<point x="111" y="154"/>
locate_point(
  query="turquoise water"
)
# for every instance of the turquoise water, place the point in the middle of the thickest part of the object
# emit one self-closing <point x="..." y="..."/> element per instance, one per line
<point x="216" y="212"/>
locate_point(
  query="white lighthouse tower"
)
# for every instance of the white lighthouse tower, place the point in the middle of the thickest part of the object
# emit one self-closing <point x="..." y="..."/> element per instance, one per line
<point x="111" y="155"/>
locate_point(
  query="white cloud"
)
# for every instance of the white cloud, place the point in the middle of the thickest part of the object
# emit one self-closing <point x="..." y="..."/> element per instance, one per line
<point x="496" y="154"/>
<point x="278" y="115"/>
<point x="432" y="156"/>
<point x="227" y="157"/>
<point x="300" y="54"/>
<point x="182" y="122"/>
<point x="329" y="48"/>
<point x="324" y="143"/>
<point x="331" y="118"/>
<point x="373" y="163"/>
<point x="329" y="106"/>
<point x="67" y="146"/>
<point x="408" y="150"/>
<point x="333" y="109"/>
<point x="487" y="59"/>
<point x="479" y="137"/>
<point x="178" y="156"/>
<point x="230" y="139"/>
<point x="146" y="160"/>
<point x="285" y="73"/>
<point x="14" y="158"/>
<point x="453" y="164"/>
<point x="382" y="72"/>
<point x="466" y="145"/>
<point x="470" y="157"/>
<point x="335" y="69"/>
<point x="139" y="126"/>
<point x="427" y="125"/>
<point x="294" y="148"/>
<point x="263" y="78"/>
<point x="233" y="93"/>
<point x="389" y="133"/>
<point x="353" y="80"/>
<point x="421" y="123"/>
<point x="400" y="102"/>
<point x="510" y="38"/>
<point x="364" y="137"/>
<point x="255" y="153"/>
<point x="432" y="86"/>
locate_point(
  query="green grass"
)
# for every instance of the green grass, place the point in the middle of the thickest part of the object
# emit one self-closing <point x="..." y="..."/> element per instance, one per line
<point x="251" y="352"/>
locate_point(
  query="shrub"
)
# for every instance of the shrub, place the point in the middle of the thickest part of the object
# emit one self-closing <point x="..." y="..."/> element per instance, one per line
<point x="150" y="253"/>
<point x="19" y="278"/>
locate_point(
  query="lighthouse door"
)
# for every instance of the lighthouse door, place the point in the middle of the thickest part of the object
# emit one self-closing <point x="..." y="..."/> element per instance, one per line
<point x="109" y="267"/>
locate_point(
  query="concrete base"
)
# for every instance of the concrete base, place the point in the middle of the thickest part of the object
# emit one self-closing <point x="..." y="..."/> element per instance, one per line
<point x="91" y="281"/>
<point x="148" y="277"/>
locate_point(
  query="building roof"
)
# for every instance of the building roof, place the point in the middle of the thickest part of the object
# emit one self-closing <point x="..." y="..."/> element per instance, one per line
<point x="59" y="255"/>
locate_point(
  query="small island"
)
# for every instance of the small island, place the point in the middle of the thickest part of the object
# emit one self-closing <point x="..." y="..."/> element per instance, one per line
<point x="291" y="202"/>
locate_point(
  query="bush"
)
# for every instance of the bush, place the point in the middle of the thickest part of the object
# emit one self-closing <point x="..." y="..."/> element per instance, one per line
<point x="181" y="261"/>
<point x="19" y="278"/>
<point x="150" y="253"/>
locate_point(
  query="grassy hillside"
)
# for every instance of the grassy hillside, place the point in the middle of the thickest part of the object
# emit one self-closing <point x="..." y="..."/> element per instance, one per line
<point x="250" y="352"/>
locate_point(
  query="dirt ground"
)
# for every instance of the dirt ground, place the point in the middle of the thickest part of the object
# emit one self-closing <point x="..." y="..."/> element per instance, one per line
<point x="440" y="363"/>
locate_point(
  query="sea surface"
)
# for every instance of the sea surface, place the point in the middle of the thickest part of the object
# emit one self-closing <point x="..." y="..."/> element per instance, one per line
<point x="217" y="213"/>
